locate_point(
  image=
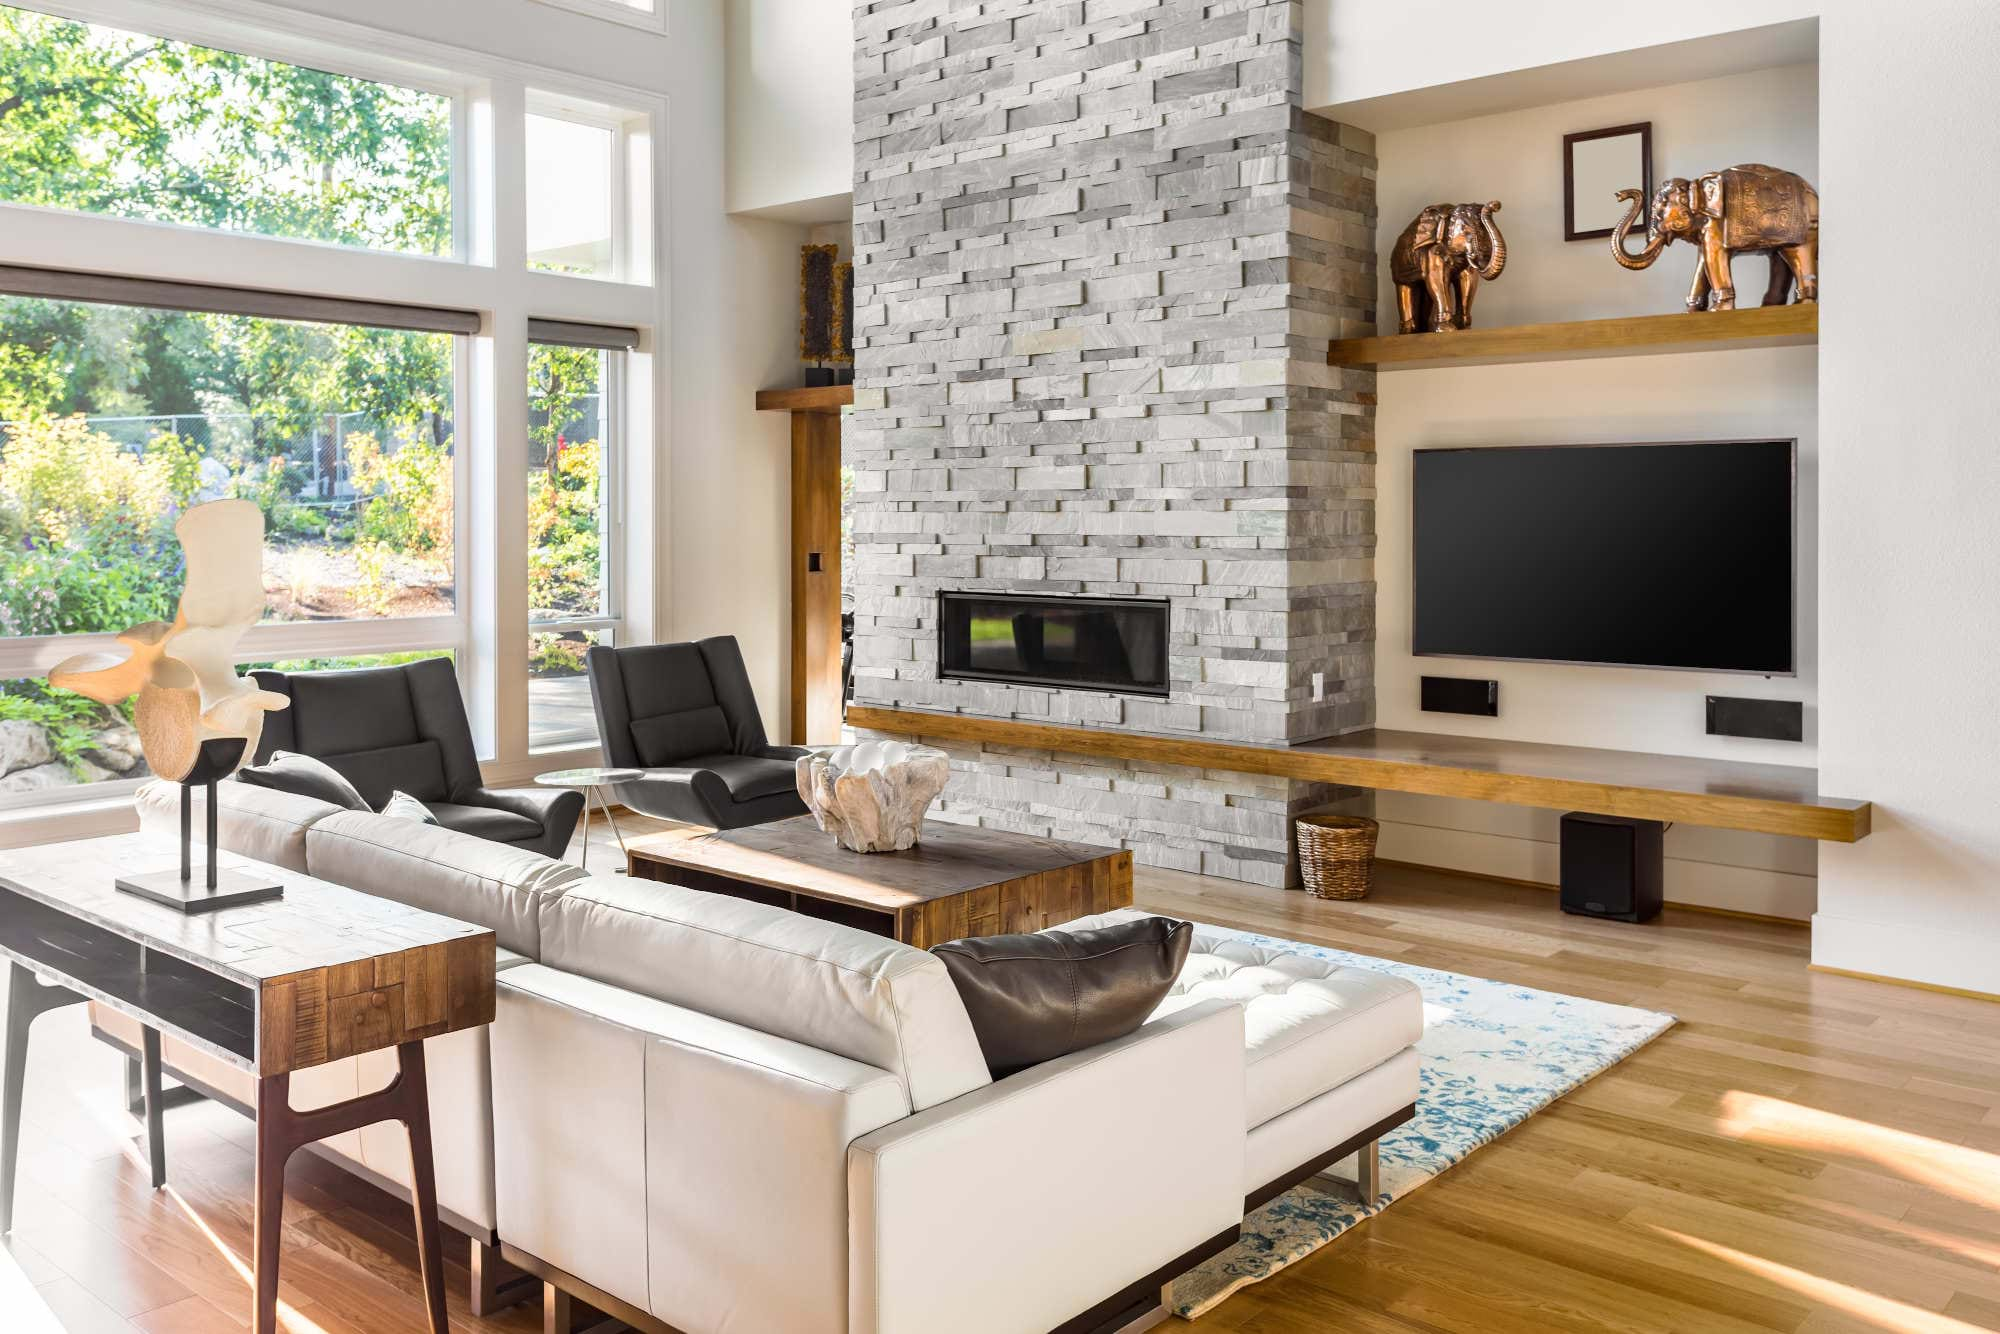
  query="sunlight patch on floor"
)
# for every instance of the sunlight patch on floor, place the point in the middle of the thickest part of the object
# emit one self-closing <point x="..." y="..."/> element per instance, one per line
<point x="288" y="1316"/>
<point x="1949" y="1169"/>
<point x="1965" y="1248"/>
<point x="1882" y="1312"/>
<point x="22" y="1310"/>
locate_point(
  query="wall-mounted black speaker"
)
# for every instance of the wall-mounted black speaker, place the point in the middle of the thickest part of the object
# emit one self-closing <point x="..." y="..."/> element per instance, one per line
<point x="1459" y="694"/>
<point x="1764" y="719"/>
<point x="1612" y="866"/>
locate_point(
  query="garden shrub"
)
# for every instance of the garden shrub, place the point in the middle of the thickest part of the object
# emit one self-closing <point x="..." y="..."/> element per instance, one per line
<point x="87" y="527"/>
<point x="565" y="549"/>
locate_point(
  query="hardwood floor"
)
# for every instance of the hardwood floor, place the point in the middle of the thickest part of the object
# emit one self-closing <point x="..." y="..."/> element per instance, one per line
<point x="1802" y="1153"/>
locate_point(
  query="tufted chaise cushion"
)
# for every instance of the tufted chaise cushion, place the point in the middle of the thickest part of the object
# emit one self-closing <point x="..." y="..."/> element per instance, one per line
<point x="1310" y="1025"/>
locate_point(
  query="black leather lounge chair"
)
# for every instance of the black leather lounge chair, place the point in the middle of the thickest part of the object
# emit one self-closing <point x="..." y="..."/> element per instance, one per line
<point x="686" y="715"/>
<point x="389" y="729"/>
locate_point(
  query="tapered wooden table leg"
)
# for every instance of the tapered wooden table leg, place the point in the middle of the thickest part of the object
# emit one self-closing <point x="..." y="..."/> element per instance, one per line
<point x="274" y="1150"/>
<point x="156" y="1123"/>
<point x="27" y="1000"/>
<point x="281" y="1132"/>
<point x="423" y="1179"/>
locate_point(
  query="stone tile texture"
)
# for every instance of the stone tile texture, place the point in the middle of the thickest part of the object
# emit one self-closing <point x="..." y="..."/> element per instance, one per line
<point x="1100" y="250"/>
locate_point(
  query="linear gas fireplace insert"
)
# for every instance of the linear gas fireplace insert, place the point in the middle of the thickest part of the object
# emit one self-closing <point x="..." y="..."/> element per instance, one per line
<point x="1112" y="644"/>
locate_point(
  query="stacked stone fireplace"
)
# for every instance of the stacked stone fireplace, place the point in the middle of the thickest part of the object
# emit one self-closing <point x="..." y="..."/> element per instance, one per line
<point x="1100" y="251"/>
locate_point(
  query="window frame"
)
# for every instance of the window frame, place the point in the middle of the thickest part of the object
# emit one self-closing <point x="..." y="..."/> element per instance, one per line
<point x="611" y="542"/>
<point x="653" y="18"/>
<point x="628" y="266"/>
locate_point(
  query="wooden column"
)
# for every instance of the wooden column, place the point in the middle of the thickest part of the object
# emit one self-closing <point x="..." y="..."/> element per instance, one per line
<point x="816" y="685"/>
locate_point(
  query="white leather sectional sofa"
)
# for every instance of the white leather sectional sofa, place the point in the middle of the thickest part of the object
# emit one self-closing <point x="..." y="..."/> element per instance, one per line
<point x="713" y="1115"/>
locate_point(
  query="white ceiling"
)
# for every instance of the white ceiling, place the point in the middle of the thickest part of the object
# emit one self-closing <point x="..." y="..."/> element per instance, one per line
<point x="1712" y="57"/>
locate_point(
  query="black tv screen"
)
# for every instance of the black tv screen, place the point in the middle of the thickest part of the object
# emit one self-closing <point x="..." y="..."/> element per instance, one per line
<point x="1671" y="555"/>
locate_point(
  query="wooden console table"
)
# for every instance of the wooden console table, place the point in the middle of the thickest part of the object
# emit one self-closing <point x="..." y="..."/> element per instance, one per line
<point x="960" y="881"/>
<point x="323" y="973"/>
<point x="1723" y="794"/>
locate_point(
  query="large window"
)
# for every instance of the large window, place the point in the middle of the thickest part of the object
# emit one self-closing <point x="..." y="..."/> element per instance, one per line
<point x="104" y="121"/>
<point x="115" y="419"/>
<point x="572" y="532"/>
<point x="333" y="333"/>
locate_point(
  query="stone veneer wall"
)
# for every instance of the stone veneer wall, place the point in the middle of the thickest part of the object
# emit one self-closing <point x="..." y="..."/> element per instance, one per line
<point x="1100" y="251"/>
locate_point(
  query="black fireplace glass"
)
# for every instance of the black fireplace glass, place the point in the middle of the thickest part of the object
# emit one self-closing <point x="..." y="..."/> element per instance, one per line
<point x="1114" y="644"/>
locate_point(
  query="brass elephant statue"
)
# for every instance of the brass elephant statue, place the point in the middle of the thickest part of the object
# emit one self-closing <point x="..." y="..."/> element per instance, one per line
<point x="1440" y="260"/>
<point x="1742" y="209"/>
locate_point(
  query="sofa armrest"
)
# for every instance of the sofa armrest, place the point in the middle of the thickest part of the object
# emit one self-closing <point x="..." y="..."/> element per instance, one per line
<point x="691" y="1166"/>
<point x="1087" y="1173"/>
<point x="788" y="753"/>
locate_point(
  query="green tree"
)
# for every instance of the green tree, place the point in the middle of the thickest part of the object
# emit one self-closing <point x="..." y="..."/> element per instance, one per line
<point x="559" y="380"/>
<point x="105" y="121"/>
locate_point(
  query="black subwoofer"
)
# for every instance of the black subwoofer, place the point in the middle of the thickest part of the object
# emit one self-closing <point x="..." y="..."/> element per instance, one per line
<point x="1612" y="867"/>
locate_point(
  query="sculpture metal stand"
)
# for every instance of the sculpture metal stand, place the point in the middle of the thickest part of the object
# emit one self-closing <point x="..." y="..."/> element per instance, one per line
<point x="216" y="760"/>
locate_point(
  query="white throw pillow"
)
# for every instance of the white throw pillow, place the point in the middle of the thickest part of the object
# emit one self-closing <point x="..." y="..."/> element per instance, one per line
<point x="403" y="806"/>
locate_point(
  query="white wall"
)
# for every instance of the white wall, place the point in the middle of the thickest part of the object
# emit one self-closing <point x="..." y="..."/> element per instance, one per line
<point x="1910" y="492"/>
<point x="791" y="107"/>
<point x="1361" y="49"/>
<point x="733" y="301"/>
<point x="1770" y="116"/>
<point x="732" y="474"/>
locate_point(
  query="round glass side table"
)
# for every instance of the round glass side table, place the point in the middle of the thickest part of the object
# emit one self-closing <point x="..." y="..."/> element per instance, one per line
<point x="592" y="782"/>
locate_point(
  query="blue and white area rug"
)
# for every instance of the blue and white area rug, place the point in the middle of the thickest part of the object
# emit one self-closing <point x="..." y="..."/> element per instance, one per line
<point x="1492" y="1056"/>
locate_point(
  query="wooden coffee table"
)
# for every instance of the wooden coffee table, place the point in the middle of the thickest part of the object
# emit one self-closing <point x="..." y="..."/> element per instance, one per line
<point x="960" y="881"/>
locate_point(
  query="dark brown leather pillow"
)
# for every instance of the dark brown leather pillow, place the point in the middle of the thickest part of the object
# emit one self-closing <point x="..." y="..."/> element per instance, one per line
<point x="1035" y="997"/>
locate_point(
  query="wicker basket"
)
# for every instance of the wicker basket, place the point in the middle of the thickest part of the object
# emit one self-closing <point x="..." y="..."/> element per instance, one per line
<point x="1336" y="855"/>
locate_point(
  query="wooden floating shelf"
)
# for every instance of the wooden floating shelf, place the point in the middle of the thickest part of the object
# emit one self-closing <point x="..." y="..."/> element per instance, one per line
<point x="822" y="398"/>
<point x="1722" y="794"/>
<point x="1632" y="336"/>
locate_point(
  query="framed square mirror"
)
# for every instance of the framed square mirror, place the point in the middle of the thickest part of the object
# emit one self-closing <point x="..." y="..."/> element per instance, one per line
<point x="1597" y="164"/>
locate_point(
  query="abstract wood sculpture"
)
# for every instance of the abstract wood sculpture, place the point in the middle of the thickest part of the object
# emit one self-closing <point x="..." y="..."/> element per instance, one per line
<point x="816" y="312"/>
<point x="843" y="314"/>
<point x="872" y="797"/>
<point x="197" y="719"/>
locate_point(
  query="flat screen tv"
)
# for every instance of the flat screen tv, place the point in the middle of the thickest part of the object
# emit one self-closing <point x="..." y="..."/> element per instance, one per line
<point x="1659" y="555"/>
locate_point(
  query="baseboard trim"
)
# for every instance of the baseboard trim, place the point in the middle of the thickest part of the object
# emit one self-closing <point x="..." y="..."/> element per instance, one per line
<point x="1936" y="988"/>
<point x="1710" y="909"/>
<point x="1947" y="958"/>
